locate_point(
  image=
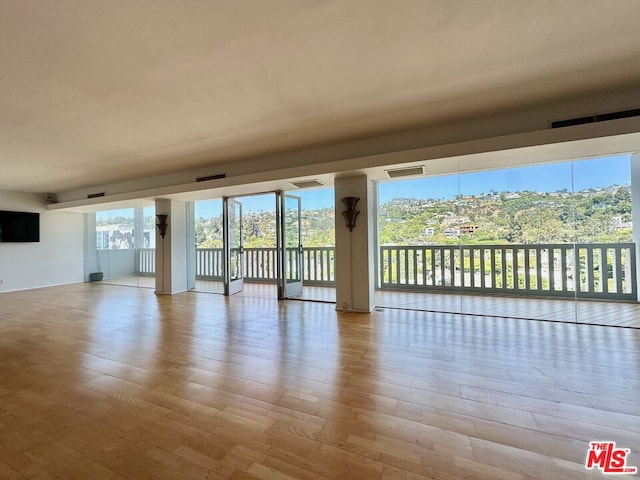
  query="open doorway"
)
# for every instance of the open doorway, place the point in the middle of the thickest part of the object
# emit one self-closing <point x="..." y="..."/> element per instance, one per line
<point x="238" y="245"/>
<point x="208" y="238"/>
<point x="317" y="232"/>
<point x="247" y="225"/>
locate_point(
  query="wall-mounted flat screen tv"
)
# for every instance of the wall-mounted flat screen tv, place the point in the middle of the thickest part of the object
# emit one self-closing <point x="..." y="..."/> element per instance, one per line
<point x="19" y="226"/>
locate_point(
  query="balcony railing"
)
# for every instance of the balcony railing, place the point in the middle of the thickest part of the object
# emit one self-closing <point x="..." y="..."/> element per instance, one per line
<point x="146" y="261"/>
<point x="605" y="271"/>
<point x="259" y="264"/>
<point x="599" y="271"/>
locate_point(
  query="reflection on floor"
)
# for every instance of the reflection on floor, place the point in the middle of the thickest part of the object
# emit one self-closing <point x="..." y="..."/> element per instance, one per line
<point x="257" y="290"/>
<point x="206" y="286"/>
<point x="268" y="290"/>
<point x="563" y="310"/>
<point x="109" y="382"/>
<point x="133" y="281"/>
<point x="318" y="294"/>
<point x="582" y="311"/>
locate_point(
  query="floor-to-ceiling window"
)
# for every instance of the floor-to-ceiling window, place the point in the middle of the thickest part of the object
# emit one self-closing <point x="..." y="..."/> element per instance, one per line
<point x="550" y="241"/>
<point x="124" y="246"/>
<point x="209" y="242"/>
<point x="517" y="239"/>
<point x="318" y="244"/>
<point x="418" y="238"/>
<point x="605" y="263"/>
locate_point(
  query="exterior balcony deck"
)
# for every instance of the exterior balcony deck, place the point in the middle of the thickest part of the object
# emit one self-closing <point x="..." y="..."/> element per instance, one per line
<point x="583" y="283"/>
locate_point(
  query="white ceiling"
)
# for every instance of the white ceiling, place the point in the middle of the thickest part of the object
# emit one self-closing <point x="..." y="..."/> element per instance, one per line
<point x="98" y="91"/>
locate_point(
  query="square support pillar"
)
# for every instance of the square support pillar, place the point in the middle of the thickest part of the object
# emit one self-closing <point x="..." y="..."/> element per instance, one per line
<point x="355" y="250"/>
<point x="171" y="251"/>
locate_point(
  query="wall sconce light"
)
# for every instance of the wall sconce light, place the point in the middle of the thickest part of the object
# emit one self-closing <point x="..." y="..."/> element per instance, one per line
<point x="162" y="224"/>
<point x="350" y="214"/>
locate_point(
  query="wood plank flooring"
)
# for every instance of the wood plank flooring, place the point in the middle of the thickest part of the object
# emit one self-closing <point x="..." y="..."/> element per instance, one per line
<point x="560" y="310"/>
<point x="109" y="382"/>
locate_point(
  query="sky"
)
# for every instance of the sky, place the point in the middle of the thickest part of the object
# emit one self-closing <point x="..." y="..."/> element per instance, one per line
<point x="574" y="176"/>
<point x="122" y="212"/>
<point x="552" y="177"/>
<point x="311" y="200"/>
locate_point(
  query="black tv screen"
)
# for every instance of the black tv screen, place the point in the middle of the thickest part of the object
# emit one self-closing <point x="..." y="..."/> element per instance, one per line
<point x="19" y="226"/>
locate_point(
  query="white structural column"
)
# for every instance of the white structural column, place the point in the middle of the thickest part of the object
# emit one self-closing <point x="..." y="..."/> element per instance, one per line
<point x="355" y="251"/>
<point x="635" y="210"/>
<point x="171" y="251"/>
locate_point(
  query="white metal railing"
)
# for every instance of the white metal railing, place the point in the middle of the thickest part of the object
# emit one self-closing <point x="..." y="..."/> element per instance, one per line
<point x="259" y="264"/>
<point x="209" y="263"/>
<point x="146" y="261"/>
<point x="597" y="270"/>
<point x="318" y="265"/>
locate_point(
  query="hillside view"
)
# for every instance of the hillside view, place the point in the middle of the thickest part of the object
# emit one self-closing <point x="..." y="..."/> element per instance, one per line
<point x="527" y="217"/>
<point x="588" y="216"/>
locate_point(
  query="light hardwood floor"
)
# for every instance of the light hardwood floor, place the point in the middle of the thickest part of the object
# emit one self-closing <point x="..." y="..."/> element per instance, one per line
<point x="109" y="382"/>
<point x="594" y="312"/>
<point x="620" y="314"/>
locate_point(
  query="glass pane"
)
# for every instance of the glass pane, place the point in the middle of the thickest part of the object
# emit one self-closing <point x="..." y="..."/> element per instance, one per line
<point x="518" y="242"/>
<point x="116" y="227"/>
<point x="259" y="257"/>
<point x="145" y="245"/>
<point x="605" y="255"/>
<point x="235" y="239"/>
<point x="419" y="262"/>
<point x="149" y="238"/>
<point x="292" y="238"/>
<point x="318" y="241"/>
<point x="209" y="241"/>
<point x="125" y="246"/>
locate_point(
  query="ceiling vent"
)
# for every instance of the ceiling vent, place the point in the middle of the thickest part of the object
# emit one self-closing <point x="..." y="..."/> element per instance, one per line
<point x="211" y="177"/>
<point x="307" y="184"/>
<point x="405" y="172"/>
<point x="603" y="117"/>
<point x="95" y="195"/>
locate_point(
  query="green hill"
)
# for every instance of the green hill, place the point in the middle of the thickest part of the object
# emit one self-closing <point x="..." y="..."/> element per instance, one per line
<point x="588" y="216"/>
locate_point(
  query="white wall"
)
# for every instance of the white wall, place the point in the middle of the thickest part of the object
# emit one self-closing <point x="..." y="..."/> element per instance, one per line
<point x="57" y="259"/>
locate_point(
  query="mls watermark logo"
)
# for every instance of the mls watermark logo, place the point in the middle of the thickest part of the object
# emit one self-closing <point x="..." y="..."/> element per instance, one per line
<point x="609" y="459"/>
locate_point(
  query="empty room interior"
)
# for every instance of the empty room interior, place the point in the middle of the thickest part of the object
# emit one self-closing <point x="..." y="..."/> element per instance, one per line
<point x="319" y="240"/>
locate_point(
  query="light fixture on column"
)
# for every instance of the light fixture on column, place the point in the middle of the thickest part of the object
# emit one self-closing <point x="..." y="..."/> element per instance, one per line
<point x="162" y="224"/>
<point x="350" y="214"/>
